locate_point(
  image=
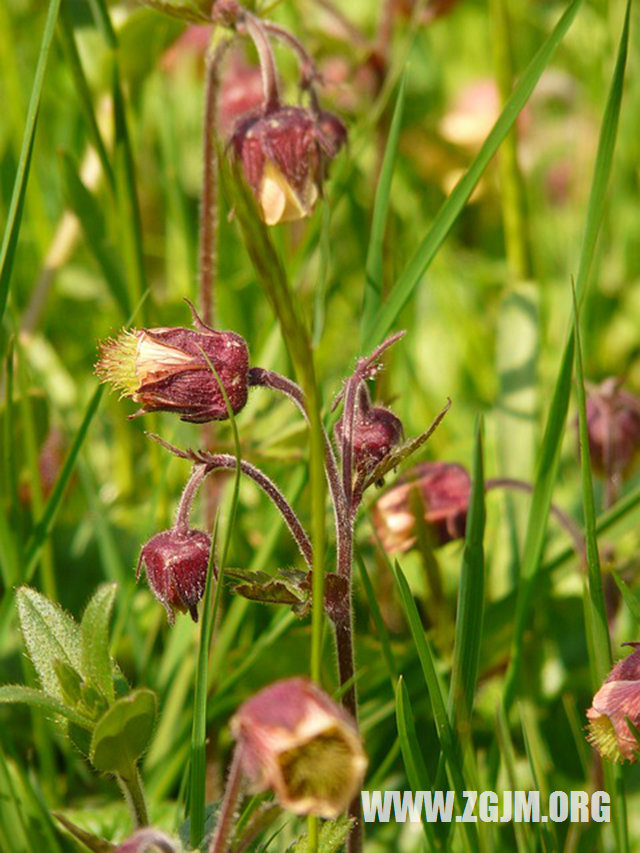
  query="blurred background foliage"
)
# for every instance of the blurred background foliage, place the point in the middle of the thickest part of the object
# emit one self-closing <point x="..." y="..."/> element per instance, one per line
<point x="477" y="331"/>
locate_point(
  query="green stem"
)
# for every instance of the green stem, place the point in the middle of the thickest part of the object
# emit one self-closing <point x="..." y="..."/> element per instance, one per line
<point x="131" y="785"/>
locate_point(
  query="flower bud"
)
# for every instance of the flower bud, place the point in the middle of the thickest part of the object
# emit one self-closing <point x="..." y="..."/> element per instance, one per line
<point x="617" y="699"/>
<point x="166" y="370"/>
<point x="376" y="431"/>
<point x="294" y="739"/>
<point x="176" y="564"/>
<point x="442" y="491"/>
<point x="613" y="425"/>
<point x="284" y="155"/>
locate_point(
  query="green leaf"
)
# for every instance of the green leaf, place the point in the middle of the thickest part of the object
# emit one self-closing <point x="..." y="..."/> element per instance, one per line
<point x="285" y="587"/>
<point x="123" y="733"/>
<point x="14" y="693"/>
<point x="96" y="660"/>
<point x="451" y="209"/>
<point x="470" y="610"/>
<point x="49" y="634"/>
<point x="374" y="270"/>
<point x="12" y="227"/>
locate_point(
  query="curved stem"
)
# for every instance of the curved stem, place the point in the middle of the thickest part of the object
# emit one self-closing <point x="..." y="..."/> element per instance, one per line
<point x="186" y="501"/>
<point x="308" y="69"/>
<point x="564" y="520"/>
<point x="256" y="31"/>
<point x="220" y="840"/>
<point x="260" y="377"/>
<point x="213" y="461"/>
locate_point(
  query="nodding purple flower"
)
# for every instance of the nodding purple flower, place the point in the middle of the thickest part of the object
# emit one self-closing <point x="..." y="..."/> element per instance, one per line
<point x="167" y="370"/>
<point x="284" y="154"/>
<point x="613" y="425"/>
<point x="176" y="564"/>
<point x="617" y="700"/>
<point x="295" y="740"/>
<point x="376" y="431"/>
<point x="439" y="491"/>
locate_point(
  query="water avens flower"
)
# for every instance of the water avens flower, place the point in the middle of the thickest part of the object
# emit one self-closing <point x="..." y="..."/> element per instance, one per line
<point x="376" y="431"/>
<point x="617" y="699"/>
<point x="295" y="740"/>
<point x="176" y="565"/>
<point x="168" y="370"/>
<point x="439" y="491"/>
<point x="284" y="154"/>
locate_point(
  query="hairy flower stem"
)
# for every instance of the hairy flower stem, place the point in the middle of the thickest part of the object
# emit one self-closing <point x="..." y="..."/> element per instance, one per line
<point x="131" y="786"/>
<point x="186" y="501"/>
<point x="258" y="376"/>
<point x="216" y="461"/>
<point x="221" y="838"/>
<point x="257" y="32"/>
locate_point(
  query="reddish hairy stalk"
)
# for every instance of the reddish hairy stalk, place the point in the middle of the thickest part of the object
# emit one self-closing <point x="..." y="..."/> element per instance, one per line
<point x="222" y="836"/>
<point x="186" y="501"/>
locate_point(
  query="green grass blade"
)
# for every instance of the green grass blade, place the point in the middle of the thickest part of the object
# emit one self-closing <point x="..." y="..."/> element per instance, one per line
<point x="550" y="451"/>
<point x="451" y="209"/>
<point x="14" y="218"/>
<point x="470" y="611"/>
<point x="374" y="267"/>
<point x="417" y="773"/>
<point x="600" y="642"/>
<point x="376" y="615"/>
<point x="631" y="602"/>
<point x="449" y="743"/>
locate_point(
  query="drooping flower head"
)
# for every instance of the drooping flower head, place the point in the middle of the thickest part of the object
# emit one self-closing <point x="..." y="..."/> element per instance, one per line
<point x="168" y="370"/>
<point x="439" y="491"/>
<point x="376" y="431"/>
<point x="295" y="740"/>
<point x="176" y="563"/>
<point x="617" y="699"/>
<point x="284" y="155"/>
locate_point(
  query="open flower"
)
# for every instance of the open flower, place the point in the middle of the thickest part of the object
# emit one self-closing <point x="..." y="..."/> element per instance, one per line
<point x="617" y="699"/>
<point x="169" y="370"/>
<point x="439" y="491"/>
<point x="284" y="155"/>
<point x="176" y="563"/>
<point x="294" y="739"/>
